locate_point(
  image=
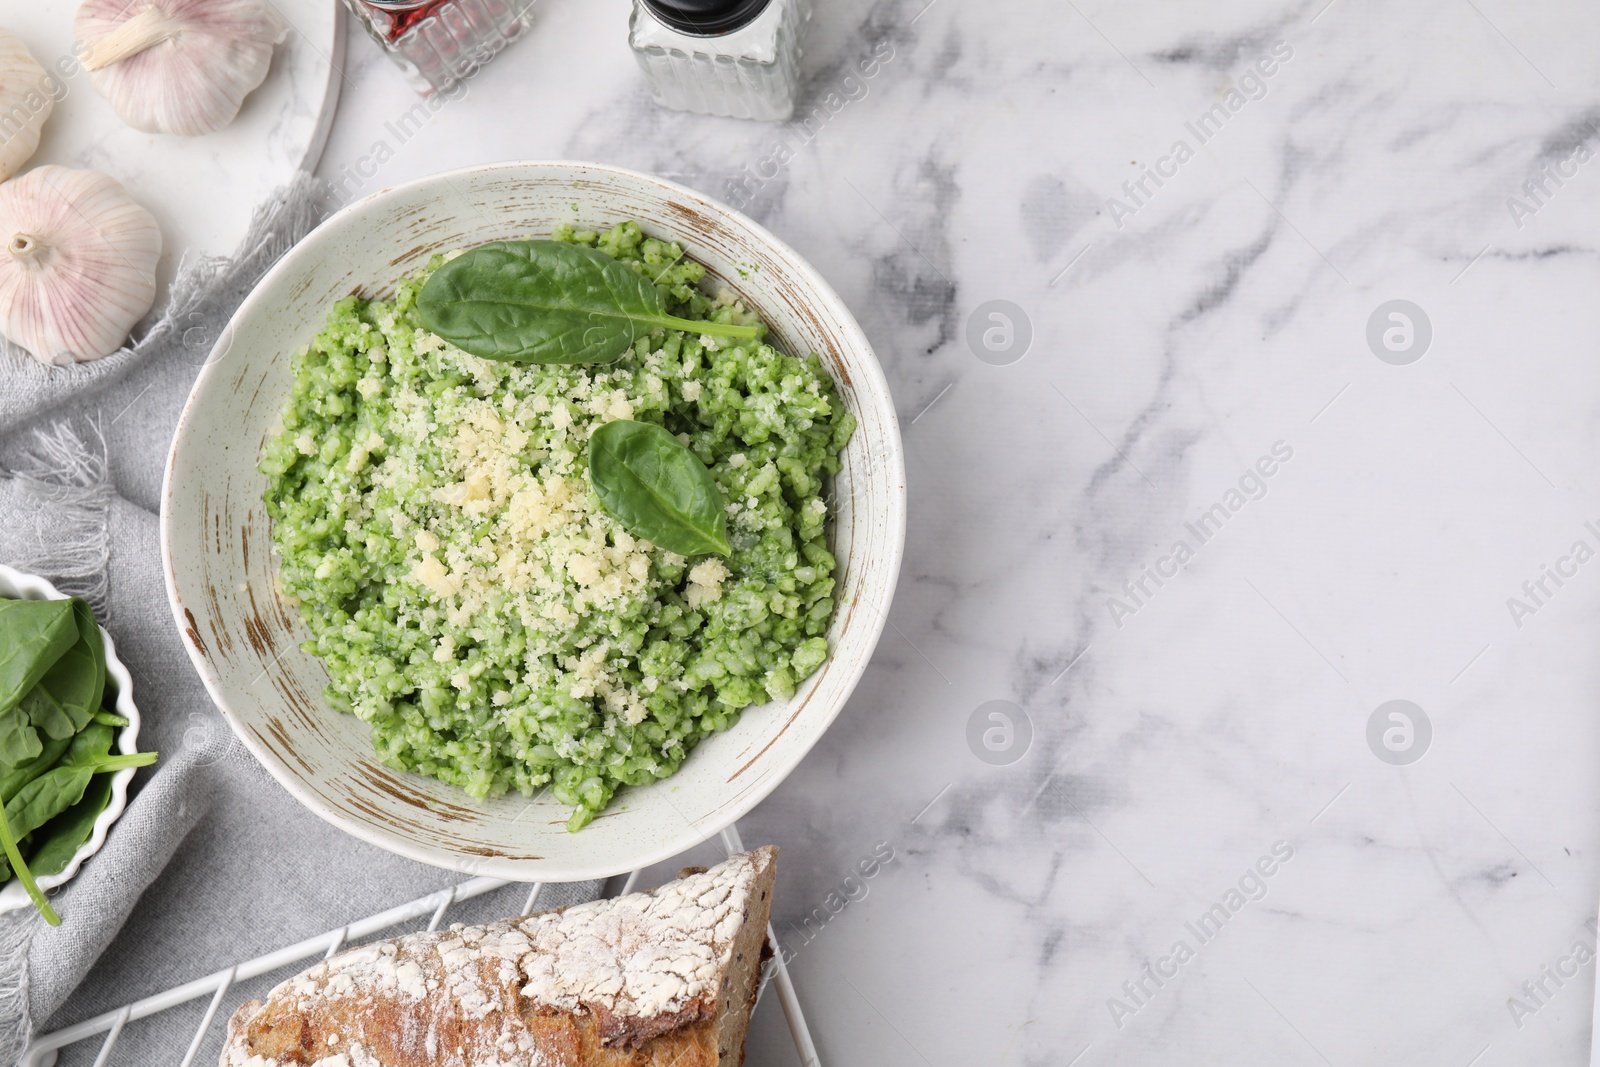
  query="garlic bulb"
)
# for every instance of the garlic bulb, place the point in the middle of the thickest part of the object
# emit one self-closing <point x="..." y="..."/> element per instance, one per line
<point x="177" y="66"/>
<point x="27" y="94"/>
<point x="77" y="263"/>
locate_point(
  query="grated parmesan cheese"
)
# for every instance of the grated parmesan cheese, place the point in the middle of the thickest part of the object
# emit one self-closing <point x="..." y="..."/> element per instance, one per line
<point x="549" y="553"/>
<point x="705" y="582"/>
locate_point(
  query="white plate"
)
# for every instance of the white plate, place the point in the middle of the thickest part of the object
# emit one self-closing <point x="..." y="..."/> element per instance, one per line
<point x="202" y="190"/>
<point x="14" y="585"/>
<point x="245" y="640"/>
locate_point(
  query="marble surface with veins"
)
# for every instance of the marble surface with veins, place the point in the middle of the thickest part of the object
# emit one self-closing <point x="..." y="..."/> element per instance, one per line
<point x="1201" y="215"/>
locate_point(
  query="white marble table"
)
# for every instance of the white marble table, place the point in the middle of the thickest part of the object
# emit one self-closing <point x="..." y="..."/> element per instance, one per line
<point x="1182" y="332"/>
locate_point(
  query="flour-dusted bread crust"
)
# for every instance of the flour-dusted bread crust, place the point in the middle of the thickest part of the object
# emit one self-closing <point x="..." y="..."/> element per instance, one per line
<point x="660" y="979"/>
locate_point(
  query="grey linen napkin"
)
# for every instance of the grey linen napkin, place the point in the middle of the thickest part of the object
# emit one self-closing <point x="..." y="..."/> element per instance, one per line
<point x="212" y="863"/>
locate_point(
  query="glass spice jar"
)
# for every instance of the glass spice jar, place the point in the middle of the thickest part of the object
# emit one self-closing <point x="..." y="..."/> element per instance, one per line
<point x="438" y="43"/>
<point x="739" y="58"/>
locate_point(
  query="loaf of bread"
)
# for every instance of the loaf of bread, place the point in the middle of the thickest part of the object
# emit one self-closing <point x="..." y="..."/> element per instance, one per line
<point x="660" y="979"/>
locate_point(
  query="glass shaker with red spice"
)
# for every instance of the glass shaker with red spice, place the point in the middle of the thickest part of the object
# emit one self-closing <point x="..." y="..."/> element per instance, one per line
<point x="439" y="43"/>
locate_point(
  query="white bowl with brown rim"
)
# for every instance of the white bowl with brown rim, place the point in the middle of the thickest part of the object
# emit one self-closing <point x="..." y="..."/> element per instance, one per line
<point x="245" y="639"/>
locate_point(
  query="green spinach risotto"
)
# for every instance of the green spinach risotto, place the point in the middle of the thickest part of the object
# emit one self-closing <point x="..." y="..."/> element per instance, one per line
<point x="472" y="596"/>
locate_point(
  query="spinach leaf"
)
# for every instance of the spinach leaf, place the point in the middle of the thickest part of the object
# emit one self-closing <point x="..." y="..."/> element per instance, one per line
<point x="122" y="763"/>
<point x="68" y="693"/>
<point x="62" y="786"/>
<point x="47" y="714"/>
<point x="92" y="749"/>
<point x="33" y="635"/>
<point x="43" y="799"/>
<point x="14" y="778"/>
<point x="548" y="302"/>
<point x="8" y="844"/>
<point x="90" y="746"/>
<point x="62" y="836"/>
<point x="19" y="741"/>
<point x="657" y="489"/>
<point x="52" y="797"/>
<point x="76" y="681"/>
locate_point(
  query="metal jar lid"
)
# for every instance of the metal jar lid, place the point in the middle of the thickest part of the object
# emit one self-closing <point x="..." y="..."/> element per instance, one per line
<point x="706" y="18"/>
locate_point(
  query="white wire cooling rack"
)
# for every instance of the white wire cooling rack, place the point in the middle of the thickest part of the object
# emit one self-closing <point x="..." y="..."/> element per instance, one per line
<point x="42" y="1051"/>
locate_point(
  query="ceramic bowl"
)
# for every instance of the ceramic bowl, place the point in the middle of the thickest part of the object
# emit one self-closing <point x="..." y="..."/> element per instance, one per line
<point x="15" y="585"/>
<point x="245" y="640"/>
